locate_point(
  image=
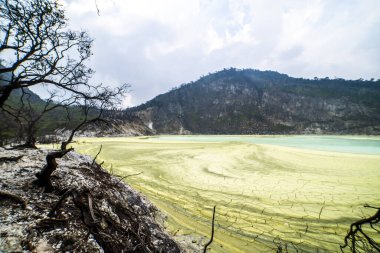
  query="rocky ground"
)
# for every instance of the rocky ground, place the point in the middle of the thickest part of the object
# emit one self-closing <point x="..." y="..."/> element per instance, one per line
<point x="132" y="127"/>
<point x="88" y="211"/>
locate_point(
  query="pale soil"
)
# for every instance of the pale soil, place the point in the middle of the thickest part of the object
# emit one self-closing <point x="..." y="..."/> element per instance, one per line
<point x="266" y="195"/>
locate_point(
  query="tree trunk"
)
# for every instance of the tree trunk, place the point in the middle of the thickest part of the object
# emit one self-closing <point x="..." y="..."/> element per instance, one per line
<point x="30" y="142"/>
<point x="5" y="93"/>
<point x="64" y="145"/>
<point x="43" y="177"/>
<point x="30" y="137"/>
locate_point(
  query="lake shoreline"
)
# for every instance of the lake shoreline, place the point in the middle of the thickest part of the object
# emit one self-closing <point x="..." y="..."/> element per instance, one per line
<point x="261" y="191"/>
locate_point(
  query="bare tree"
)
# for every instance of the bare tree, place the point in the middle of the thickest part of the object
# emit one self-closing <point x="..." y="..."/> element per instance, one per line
<point x="105" y="100"/>
<point x="29" y="113"/>
<point x="37" y="48"/>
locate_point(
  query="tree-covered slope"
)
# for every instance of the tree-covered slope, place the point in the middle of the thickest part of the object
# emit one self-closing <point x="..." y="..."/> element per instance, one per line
<point x="30" y="106"/>
<point x="251" y="101"/>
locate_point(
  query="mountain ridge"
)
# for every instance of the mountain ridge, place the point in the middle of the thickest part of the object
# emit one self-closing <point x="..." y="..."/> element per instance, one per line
<point x="250" y="101"/>
<point x="234" y="101"/>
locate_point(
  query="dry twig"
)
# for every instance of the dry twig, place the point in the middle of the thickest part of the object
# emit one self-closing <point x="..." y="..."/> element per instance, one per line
<point x="96" y="157"/>
<point x="212" y="231"/>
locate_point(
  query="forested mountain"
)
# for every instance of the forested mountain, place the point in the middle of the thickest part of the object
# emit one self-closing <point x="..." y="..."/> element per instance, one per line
<point x="250" y="101"/>
<point x="234" y="101"/>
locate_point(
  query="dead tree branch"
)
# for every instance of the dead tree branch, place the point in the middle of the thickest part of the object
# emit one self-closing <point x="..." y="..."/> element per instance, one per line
<point x="212" y="231"/>
<point x="357" y="239"/>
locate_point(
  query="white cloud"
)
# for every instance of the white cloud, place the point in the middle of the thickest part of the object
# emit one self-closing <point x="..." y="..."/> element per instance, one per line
<point x="127" y="102"/>
<point x="155" y="45"/>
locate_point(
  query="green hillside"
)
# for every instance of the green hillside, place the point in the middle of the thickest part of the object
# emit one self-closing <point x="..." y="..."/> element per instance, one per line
<point x="250" y="101"/>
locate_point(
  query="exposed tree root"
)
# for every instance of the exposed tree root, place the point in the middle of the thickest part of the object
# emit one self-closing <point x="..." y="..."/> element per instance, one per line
<point x="59" y="203"/>
<point x="132" y="236"/>
<point x="10" y="159"/>
<point x="50" y="223"/>
<point x="129" y="232"/>
<point x="12" y="197"/>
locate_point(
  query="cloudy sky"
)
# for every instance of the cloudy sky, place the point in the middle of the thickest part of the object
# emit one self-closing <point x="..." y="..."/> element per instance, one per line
<point x="158" y="44"/>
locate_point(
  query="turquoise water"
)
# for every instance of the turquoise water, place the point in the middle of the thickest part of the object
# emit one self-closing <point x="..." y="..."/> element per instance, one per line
<point x="347" y="144"/>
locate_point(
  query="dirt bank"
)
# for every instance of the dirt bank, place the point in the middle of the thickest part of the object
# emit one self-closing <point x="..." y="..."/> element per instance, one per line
<point x="97" y="212"/>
